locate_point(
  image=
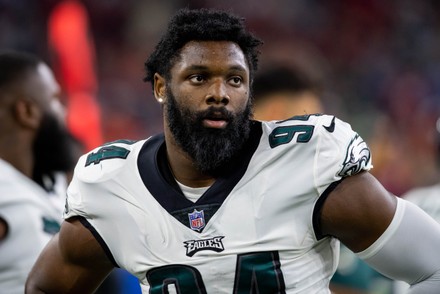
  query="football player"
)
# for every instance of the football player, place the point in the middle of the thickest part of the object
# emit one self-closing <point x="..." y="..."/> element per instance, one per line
<point x="221" y="203"/>
<point x="36" y="150"/>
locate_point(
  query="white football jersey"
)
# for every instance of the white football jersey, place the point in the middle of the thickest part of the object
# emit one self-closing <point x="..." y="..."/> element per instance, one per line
<point x="33" y="217"/>
<point x="254" y="231"/>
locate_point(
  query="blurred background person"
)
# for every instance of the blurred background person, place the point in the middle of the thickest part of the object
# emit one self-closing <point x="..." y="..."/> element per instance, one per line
<point x="281" y="91"/>
<point x="36" y="151"/>
<point x="37" y="157"/>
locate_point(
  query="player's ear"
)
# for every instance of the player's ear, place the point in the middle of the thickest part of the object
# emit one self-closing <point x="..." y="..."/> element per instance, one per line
<point x="159" y="88"/>
<point x="27" y="113"/>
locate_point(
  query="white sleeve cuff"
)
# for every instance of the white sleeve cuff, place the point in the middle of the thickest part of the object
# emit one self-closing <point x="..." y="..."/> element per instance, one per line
<point x="408" y="250"/>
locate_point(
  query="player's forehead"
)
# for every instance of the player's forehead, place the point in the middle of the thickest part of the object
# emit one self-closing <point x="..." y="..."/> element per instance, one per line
<point x="211" y="55"/>
<point x="43" y="88"/>
<point x="46" y="78"/>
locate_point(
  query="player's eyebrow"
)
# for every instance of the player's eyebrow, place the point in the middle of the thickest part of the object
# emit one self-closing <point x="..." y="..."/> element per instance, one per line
<point x="197" y="67"/>
<point x="238" y="68"/>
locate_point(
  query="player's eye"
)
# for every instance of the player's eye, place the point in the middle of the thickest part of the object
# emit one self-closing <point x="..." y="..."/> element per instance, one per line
<point x="236" y="81"/>
<point x="197" y="79"/>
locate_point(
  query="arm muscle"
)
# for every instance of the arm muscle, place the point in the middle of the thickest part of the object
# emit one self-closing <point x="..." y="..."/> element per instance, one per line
<point x="72" y="262"/>
<point x="358" y="211"/>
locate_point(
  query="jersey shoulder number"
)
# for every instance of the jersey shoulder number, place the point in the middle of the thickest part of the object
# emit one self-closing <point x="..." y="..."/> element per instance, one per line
<point x="104" y="160"/>
<point x="338" y="145"/>
<point x="299" y="128"/>
<point x="109" y="151"/>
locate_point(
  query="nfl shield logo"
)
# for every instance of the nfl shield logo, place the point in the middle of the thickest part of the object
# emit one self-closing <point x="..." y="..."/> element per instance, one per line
<point x="196" y="220"/>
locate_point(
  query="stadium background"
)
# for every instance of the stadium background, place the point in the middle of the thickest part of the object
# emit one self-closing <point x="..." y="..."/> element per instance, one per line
<point x="378" y="63"/>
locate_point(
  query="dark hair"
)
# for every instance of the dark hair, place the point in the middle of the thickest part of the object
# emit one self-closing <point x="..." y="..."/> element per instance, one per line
<point x="14" y="65"/>
<point x="200" y="25"/>
<point x="281" y="79"/>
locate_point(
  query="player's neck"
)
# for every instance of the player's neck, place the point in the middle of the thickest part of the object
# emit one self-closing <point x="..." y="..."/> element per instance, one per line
<point x="183" y="168"/>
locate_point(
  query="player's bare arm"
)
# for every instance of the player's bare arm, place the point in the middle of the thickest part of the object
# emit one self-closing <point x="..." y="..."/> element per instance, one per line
<point x="385" y="231"/>
<point x="73" y="262"/>
<point x="358" y="211"/>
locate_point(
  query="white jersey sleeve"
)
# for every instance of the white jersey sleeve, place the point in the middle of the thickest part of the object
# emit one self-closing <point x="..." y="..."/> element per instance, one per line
<point x="340" y="152"/>
<point x="335" y="149"/>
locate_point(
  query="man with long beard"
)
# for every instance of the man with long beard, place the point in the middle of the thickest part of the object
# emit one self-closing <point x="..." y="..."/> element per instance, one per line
<point x="34" y="147"/>
<point x="221" y="203"/>
<point x="212" y="149"/>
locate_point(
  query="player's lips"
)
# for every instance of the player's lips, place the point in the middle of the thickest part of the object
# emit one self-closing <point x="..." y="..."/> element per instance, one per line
<point x="215" y="120"/>
<point x="214" y="123"/>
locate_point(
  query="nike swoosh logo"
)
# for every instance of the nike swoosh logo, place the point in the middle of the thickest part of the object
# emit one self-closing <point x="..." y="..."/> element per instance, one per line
<point x="331" y="127"/>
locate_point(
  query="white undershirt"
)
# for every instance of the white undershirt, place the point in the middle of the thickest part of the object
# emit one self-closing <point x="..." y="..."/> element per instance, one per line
<point x="192" y="194"/>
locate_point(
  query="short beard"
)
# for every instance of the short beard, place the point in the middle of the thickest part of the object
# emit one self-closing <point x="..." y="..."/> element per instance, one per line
<point x="55" y="149"/>
<point x="213" y="150"/>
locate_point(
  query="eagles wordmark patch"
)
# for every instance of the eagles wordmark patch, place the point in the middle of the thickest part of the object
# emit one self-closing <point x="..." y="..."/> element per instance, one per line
<point x="194" y="246"/>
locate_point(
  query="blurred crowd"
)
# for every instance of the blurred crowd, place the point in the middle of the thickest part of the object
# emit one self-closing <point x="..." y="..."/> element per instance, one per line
<point x="377" y="64"/>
